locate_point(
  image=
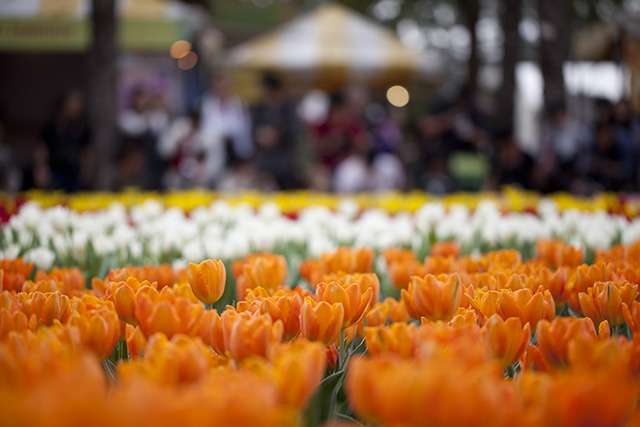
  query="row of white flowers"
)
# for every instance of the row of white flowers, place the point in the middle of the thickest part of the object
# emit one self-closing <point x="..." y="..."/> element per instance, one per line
<point x="149" y="233"/>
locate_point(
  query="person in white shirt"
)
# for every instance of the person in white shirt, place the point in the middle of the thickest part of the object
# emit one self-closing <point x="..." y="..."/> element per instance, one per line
<point x="226" y="123"/>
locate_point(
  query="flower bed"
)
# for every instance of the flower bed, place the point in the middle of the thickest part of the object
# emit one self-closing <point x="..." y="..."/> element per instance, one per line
<point x="230" y="315"/>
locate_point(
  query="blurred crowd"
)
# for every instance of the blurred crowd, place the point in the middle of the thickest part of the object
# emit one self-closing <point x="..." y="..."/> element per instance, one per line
<point x="349" y="141"/>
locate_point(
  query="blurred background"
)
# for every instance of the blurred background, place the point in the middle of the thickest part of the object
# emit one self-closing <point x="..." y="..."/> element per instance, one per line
<point x="345" y="96"/>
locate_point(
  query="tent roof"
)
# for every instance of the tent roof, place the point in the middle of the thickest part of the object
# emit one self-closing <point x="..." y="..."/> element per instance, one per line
<point x="331" y="37"/>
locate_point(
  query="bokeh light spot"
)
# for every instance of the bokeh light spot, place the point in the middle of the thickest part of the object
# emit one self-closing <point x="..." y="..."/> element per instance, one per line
<point x="187" y="62"/>
<point x="180" y="49"/>
<point x="398" y="96"/>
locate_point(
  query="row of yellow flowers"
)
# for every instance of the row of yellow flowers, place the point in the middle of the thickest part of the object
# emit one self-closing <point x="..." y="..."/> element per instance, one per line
<point x="510" y="199"/>
<point x="487" y="340"/>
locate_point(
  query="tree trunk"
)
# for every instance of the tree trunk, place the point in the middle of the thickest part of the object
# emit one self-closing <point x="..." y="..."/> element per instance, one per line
<point x="471" y="13"/>
<point x="510" y="20"/>
<point x="554" y="48"/>
<point x="102" y="101"/>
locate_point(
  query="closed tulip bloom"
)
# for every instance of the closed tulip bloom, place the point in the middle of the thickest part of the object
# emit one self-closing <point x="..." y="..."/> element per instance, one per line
<point x="445" y="249"/>
<point x="207" y="280"/>
<point x="165" y="315"/>
<point x="604" y="301"/>
<point x="555" y="282"/>
<point x="354" y="301"/>
<point x="554" y="338"/>
<point x="435" y="299"/>
<point x="507" y="339"/>
<point x="397" y="311"/>
<point x="348" y="260"/>
<point x="398" y="339"/>
<point x="253" y="336"/>
<point x="631" y="315"/>
<point x="209" y="330"/>
<point x="406" y="296"/>
<point x="321" y="321"/>
<point x="48" y="306"/>
<point x="124" y="301"/>
<point x="136" y="341"/>
<point x="401" y="271"/>
<point x="12" y="322"/>
<point x="266" y="270"/>
<point x="99" y="330"/>
<point x="392" y="255"/>
<point x="300" y="367"/>
<point x="287" y="309"/>
<point x="363" y="280"/>
<point x="529" y="307"/>
<point x="439" y="265"/>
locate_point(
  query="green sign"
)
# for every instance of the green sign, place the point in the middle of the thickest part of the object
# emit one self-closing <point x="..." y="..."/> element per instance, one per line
<point x="68" y="35"/>
<point x="72" y="35"/>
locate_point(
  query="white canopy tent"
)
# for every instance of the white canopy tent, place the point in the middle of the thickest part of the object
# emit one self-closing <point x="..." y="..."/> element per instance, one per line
<point x="333" y="45"/>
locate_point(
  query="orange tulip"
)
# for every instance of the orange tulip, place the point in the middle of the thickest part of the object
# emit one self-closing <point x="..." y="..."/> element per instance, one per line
<point x="166" y="316"/>
<point x="181" y="360"/>
<point x="363" y="280"/>
<point x="556" y="283"/>
<point x="407" y="392"/>
<point x="299" y="368"/>
<point x="439" y="265"/>
<point x="321" y="321"/>
<point x="507" y="338"/>
<point x="266" y="270"/>
<point x="136" y="341"/>
<point x="589" y="399"/>
<point x="348" y="260"/>
<point x="397" y="311"/>
<point x="527" y="306"/>
<point x="252" y="336"/>
<point x="401" y="271"/>
<point x="435" y="299"/>
<point x="393" y="255"/>
<point x="398" y="338"/>
<point x="12" y="322"/>
<point x="71" y="279"/>
<point x="554" y="338"/>
<point x="604" y="301"/>
<point x="445" y="249"/>
<point x="125" y="303"/>
<point x="47" y="307"/>
<point x="353" y="300"/>
<point x="207" y="280"/>
<point x="99" y="330"/>
<point x="632" y="316"/>
<point x="407" y="298"/>
<point x="13" y="273"/>
<point x="287" y="309"/>
<point x="377" y="316"/>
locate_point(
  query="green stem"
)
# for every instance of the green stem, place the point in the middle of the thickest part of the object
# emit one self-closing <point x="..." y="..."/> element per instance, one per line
<point x="510" y="371"/>
<point x="341" y="355"/>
